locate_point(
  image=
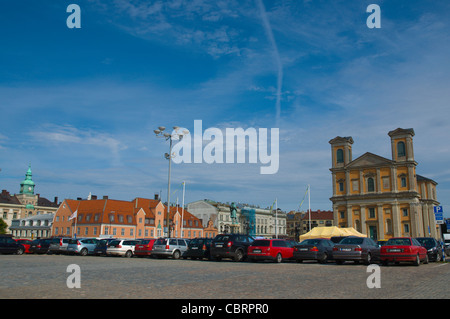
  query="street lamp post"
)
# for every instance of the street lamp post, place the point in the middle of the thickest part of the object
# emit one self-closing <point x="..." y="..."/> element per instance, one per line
<point x="175" y="135"/>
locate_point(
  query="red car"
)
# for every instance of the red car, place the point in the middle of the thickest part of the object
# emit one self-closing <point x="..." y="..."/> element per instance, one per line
<point x="400" y="249"/>
<point x="26" y="243"/>
<point x="270" y="249"/>
<point x="144" y="248"/>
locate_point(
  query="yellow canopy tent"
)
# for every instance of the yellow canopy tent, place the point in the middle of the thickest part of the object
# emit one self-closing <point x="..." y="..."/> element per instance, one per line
<point x="331" y="231"/>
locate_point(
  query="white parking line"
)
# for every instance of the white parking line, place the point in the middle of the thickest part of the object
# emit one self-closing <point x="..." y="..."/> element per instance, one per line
<point x="443" y="264"/>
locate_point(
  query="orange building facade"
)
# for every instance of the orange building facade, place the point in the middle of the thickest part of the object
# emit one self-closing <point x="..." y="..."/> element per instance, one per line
<point x="139" y="218"/>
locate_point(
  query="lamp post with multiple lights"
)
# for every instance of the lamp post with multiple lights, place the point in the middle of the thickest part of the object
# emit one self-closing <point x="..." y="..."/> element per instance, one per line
<point x="170" y="137"/>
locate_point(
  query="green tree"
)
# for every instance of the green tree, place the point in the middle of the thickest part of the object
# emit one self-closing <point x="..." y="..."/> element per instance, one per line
<point x="3" y="226"/>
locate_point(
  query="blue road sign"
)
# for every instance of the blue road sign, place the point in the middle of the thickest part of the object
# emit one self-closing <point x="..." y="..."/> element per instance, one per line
<point x="438" y="209"/>
<point x="439" y="216"/>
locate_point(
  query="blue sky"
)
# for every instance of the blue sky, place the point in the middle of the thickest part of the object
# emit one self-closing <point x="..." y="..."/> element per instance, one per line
<point x="81" y="105"/>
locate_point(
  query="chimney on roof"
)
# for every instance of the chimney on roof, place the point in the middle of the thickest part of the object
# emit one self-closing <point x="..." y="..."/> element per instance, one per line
<point x="56" y="200"/>
<point x="105" y="196"/>
<point x="156" y="196"/>
<point x="79" y="198"/>
<point x="93" y="197"/>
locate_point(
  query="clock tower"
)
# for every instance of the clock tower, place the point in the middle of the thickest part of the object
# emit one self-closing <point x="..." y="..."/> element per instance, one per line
<point x="27" y="185"/>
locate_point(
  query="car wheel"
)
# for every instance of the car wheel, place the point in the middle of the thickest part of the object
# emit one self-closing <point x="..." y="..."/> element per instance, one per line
<point x="239" y="255"/>
<point x="438" y="257"/>
<point x="128" y="254"/>
<point x="176" y="254"/>
<point x="278" y="259"/>
<point x="425" y="261"/>
<point x="324" y="259"/>
<point x="19" y="251"/>
<point x="83" y="252"/>
<point x="368" y="259"/>
<point x="417" y="261"/>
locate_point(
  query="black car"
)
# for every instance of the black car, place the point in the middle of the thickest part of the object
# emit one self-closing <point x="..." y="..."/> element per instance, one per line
<point x="198" y="248"/>
<point x="232" y="246"/>
<point x="9" y="246"/>
<point x="40" y="246"/>
<point x="434" y="248"/>
<point x="319" y="249"/>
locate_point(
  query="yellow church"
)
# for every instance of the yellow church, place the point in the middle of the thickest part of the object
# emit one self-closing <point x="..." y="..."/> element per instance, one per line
<point x="382" y="197"/>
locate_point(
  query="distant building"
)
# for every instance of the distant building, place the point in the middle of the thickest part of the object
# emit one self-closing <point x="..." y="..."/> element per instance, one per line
<point x="299" y="223"/>
<point x="250" y="220"/>
<point x="26" y="203"/>
<point x="139" y="218"/>
<point x="382" y="197"/>
<point x="37" y="226"/>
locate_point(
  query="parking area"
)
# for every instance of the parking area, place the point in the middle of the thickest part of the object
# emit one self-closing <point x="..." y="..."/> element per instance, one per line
<point x="45" y="276"/>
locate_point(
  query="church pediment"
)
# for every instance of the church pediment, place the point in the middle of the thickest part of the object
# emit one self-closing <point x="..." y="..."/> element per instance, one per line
<point x="369" y="159"/>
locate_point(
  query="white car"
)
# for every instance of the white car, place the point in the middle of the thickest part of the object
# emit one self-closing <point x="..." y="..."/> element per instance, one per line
<point x="122" y="247"/>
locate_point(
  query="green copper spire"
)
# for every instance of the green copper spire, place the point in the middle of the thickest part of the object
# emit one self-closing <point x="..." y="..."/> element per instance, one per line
<point x="27" y="186"/>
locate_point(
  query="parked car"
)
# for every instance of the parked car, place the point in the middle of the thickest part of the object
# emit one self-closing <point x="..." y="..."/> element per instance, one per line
<point x="102" y="245"/>
<point x="198" y="248"/>
<point x="170" y="247"/>
<point x="9" y="246"/>
<point x="400" y="249"/>
<point x="144" y="248"/>
<point x="39" y="246"/>
<point x="356" y="249"/>
<point x="232" y="246"/>
<point x="26" y="244"/>
<point x="434" y="248"/>
<point x="337" y="239"/>
<point x="122" y="247"/>
<point x="58" y="245"/>
<point x="82" y="246"/>
<point x="270" y="249"/>
<point x="320" y="249"/>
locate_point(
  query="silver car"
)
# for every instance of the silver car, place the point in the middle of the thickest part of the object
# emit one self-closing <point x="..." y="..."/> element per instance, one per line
<point x="82" y="246"/>
<point x="170" y="247"/>
<point x="58" y="245"/>
<point x="122" y="247"/>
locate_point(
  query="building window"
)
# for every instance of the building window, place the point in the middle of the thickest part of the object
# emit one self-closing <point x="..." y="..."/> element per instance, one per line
<point x="403" y="181"/>
<point x="370" y="185"/>
<point x="406" y="228"/>
<point x="405" y="212"/>
<point x="401" y="151"/>
<point x="341" y="187"/>
<point x="340" y="156"/>
<point x="342" y="214"/>
<point x="95" y="231"/>
<point x="371" y="212"/>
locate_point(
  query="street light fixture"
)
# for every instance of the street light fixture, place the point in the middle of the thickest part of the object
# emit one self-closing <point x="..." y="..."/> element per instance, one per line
<point x="177" y="136"/>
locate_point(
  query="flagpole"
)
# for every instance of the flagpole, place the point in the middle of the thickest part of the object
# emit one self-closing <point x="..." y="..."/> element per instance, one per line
<point x="309" y="206"/>
<point x="276" y="218"/>
<point x="182" y="210"/>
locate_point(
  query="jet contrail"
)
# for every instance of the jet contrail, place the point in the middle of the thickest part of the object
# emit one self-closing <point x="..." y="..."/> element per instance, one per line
<point x="268" y="29"/>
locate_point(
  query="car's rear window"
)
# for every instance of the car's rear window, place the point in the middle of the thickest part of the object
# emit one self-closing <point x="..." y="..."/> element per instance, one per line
<point x="222" y="238"/>
<point x="261" y="243"/>
<point x="161" y="241"/>
<point x="398" y="241"/>
<point x="114" y="243"/>
<point x="351" y="241"/>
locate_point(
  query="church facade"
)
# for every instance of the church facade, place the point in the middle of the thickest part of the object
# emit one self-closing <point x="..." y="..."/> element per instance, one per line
<point x="382" y="197"/>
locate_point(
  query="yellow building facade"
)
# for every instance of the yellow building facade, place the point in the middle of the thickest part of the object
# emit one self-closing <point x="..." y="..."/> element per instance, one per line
<point x="382" y="197"/>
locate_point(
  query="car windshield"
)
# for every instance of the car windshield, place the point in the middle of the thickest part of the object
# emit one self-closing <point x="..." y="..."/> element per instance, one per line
<point x="427" y="242"/>
<point x="261" y="243"/>
<point x="352" y="241"/>
<point x="399" y="241"/>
